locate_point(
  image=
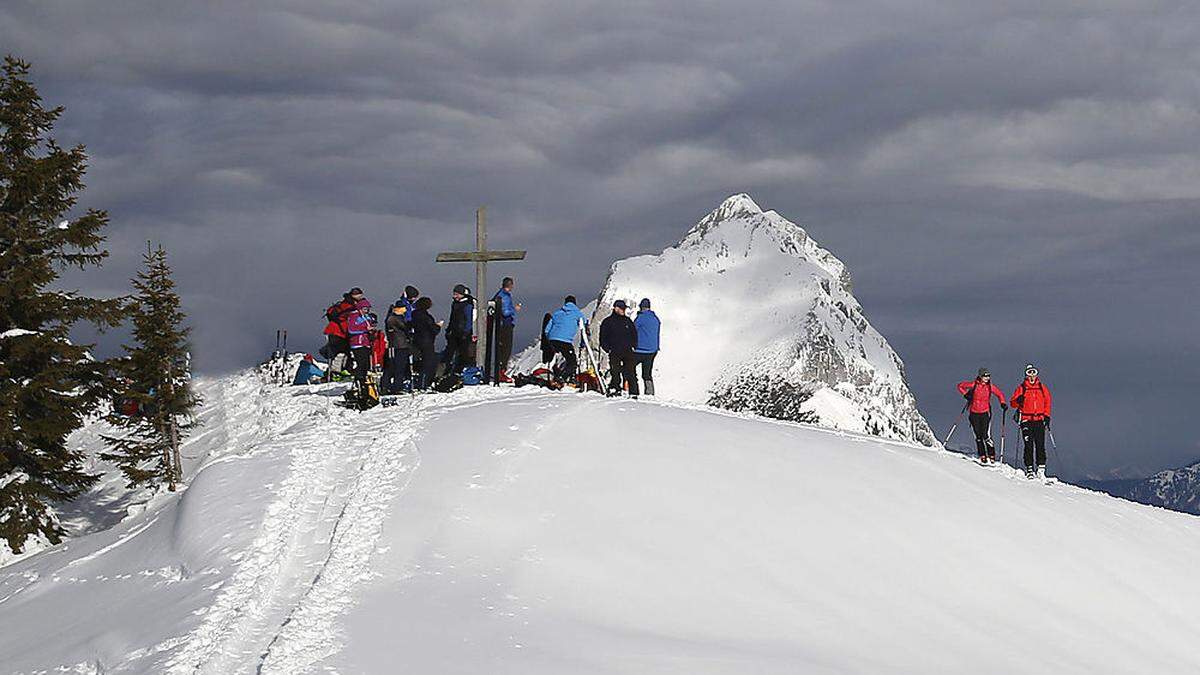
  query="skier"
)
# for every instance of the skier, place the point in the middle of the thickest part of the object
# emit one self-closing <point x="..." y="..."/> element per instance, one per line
<point x="459" y="330"/>
<point x="410" y="298"/>
<point x="560" y="332"/>
<point x="337" y="341"/>
<point x="397" y="371"/>
<point x="648" y="327"/>
<point x="425" y="330"/>
<point x="544" y="342"/>
<point x="358" y="327"/>
<point x="506" y="319"/>
<point x="1032" y="401"/>
<point x="979" y="393"/>
<point x="618" y="338"/>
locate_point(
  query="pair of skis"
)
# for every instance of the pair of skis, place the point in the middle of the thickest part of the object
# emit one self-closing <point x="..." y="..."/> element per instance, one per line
<point x="278" y="368"/>
<point x="593" y="363"/>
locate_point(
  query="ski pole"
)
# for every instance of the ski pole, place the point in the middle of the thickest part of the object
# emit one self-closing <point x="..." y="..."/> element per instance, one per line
<point x="1003" y="419"/>
<point x="955" y="426"/>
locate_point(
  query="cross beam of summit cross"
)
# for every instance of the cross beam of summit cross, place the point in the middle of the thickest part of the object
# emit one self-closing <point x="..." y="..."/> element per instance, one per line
<point x="480" y="256"/>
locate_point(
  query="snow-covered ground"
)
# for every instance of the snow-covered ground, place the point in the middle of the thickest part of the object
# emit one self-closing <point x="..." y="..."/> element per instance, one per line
<point x="525" y="531"/>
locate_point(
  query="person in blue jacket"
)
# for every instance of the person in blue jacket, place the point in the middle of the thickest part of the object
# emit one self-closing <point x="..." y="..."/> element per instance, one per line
<point x="506" y="319"/>
<point x="561" y="331"/>
<point x="648" y="327"/>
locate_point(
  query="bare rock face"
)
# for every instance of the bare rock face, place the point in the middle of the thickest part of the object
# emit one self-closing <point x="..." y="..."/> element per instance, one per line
<point x="757" y="317"/>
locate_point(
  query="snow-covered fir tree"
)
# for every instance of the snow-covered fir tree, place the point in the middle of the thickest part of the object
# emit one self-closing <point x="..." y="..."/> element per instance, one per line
<point x="48" y="385"/>
<point x="155" y="382"/>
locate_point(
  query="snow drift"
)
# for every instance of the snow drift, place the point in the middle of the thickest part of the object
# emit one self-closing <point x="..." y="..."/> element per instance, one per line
<point x="756" y="316"/>
<point x="518" y="531"/>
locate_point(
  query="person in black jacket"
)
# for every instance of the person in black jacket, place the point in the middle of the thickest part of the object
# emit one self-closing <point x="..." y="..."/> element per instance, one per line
<point x="618" y="337"/>
<point x="396" y="367"/>
<point x="425" y="330"/>
<point x="459" y="330"/>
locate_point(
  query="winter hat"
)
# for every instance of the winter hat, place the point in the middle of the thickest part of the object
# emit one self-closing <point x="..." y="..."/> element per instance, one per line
<point x="620" y="304"/>
<point x="411" y="292"/>
<point x="424" y="303"/>
<point x="984" y="372"/>
<point x="355" y="291"/>
<point x="399" y="304"/>
<point x="1031" y="369"/>
<point x="570" y="299"/>
<point x="460" y="289"/>
<point x="644" y="304"/>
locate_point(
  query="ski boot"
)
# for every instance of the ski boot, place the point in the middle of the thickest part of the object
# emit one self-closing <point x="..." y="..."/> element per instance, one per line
<point x="1030" y="473"/>
<point x="1041" y="472"/>
<point x="648" y="389"/>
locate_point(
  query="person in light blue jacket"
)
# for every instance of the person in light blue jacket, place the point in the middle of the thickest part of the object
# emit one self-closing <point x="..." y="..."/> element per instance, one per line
<point x="561" y="331"/>
<point x="648" y="327"/>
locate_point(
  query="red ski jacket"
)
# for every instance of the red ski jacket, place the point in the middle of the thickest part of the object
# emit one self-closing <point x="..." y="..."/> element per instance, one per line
<point x="1032" y="399"/>
<point x="981" y="395"/>
<point x="338" y="326"/>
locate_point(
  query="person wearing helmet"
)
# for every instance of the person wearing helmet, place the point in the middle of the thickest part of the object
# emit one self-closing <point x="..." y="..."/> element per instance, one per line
<point x="1032" y="403"/>
<point x="979" y="393"/>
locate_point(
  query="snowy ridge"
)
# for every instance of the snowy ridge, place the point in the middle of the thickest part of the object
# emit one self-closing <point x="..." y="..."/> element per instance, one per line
<point x="758" y="317"/>
<point x="490" y="530"/>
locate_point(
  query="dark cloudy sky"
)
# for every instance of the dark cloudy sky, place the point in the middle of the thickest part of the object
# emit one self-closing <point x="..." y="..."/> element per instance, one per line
<point x="1008" y="181"/>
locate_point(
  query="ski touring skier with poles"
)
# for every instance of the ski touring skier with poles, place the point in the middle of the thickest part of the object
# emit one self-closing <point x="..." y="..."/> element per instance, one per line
<point x="979" y="393"/>
<point x="1032" y="403"/>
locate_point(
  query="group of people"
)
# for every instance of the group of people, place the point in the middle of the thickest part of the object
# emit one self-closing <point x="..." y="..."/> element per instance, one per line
<point x="1031" y="403"/>
<point x="629" y="343"/>
<point x="403" y="345"/>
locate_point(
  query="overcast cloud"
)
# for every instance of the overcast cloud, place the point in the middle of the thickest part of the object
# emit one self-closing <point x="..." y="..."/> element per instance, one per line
<point x="1007" y="181"/>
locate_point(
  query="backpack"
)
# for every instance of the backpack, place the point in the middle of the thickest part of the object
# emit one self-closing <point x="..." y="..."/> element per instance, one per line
<point x="447" y="383"/>
<point x="587" y="381"/>
<point x="472" y="376"/>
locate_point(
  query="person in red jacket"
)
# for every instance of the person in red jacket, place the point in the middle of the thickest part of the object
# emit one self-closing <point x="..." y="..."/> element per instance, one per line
<point x="1032" y="401"/>
<point x="979" y="393"/>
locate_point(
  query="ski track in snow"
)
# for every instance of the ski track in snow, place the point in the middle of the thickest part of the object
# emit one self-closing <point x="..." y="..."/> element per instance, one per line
<point x="315" y="545"/>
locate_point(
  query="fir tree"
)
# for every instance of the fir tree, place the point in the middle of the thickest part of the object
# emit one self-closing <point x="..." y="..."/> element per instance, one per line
<point x="47" y="384"/>
<point x="155" y="382"/>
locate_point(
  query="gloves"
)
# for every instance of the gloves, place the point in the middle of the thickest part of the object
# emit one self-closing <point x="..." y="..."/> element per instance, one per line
<point x="1004" y="406"/>
<point x="1047" y="422"/>
<point x="1017" y="416"/>
<point x="967" y="396"/>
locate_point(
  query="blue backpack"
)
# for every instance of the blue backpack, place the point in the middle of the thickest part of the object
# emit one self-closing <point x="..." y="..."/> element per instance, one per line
<point x="472" y="376"/>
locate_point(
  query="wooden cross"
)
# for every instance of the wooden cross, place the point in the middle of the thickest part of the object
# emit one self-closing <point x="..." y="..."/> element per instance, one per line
<point x="480" y="256"/>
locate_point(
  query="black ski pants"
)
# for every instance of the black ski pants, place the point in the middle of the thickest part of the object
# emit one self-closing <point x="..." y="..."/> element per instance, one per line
<point x="396" y="371"/>
<point x="622" y="365"/>
<point x="504" y="344"/>
<point x="1034" y="434"/>
<point x="570" y="364"/>
<point x="981" y="423"/>
<point x="458" y="354"/>
<point x="429" y="364"/>
<point x="646" y="361"/>
<point x="361" y="357"/>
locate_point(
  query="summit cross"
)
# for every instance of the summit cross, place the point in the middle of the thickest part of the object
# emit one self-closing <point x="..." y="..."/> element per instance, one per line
<point x="480" y="256"/>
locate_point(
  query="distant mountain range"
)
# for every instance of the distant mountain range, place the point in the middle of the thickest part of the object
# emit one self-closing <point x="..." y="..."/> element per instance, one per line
<point x="1175" y="489"/>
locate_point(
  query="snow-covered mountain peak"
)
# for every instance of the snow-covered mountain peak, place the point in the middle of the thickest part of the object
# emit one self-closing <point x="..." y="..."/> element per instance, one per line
<point x="757" y="316"/>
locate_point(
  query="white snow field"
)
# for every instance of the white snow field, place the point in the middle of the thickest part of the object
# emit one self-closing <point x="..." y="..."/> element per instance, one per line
<point x="525" y="531"/>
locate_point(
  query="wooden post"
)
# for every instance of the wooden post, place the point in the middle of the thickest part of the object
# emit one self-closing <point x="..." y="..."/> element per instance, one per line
<point x="480" y="256"/>
<point x="481" y="288"/>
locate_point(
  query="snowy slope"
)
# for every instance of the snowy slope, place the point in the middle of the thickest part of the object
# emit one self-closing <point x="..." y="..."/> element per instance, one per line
<point x="524" y="531"/>
<point x="758" y="317"/>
